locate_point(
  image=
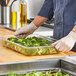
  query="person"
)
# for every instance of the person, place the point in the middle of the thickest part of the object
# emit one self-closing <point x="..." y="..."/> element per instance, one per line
<point x="64" y="26"/>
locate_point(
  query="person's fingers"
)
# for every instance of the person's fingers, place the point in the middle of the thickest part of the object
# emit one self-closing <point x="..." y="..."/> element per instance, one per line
<point x="55" y="43"/>
<point x="22" y="30"/>
<point x="57" y="46"/>
<point x="61" y="47"/>
<point x="22" y="35"/>
<point x="16" y="32"/>
<point x="19" y="31"/>
<point x="64" y="47"/>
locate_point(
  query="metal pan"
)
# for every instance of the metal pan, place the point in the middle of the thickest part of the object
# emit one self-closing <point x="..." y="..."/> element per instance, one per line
<point x="63" y="65"/>
<point x="30" y="51"/>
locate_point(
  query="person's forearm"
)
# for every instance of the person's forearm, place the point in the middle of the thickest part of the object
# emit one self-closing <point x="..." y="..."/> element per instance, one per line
<point x="74" y="29"/>
<point x="39" y="20"/>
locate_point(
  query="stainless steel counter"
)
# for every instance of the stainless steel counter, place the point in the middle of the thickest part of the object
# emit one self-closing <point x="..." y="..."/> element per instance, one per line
<point x="72" y="57"/>
<point x="44" y="31"/>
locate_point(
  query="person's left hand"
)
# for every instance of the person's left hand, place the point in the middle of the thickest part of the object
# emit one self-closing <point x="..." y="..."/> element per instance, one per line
<point x="66" y="44"/>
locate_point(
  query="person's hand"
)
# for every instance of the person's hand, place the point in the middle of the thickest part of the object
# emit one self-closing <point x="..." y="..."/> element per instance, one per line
<point x="66" y="44"/>
<point x="26" y="30"/>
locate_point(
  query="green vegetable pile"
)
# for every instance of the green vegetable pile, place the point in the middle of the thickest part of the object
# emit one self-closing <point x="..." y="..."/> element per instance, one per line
<point x="39" y="74"/>
<point x="31" y="42"/>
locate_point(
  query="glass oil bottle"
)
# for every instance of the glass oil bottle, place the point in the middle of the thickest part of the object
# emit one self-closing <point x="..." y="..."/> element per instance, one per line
<point x="14" y="11"/>
<point x="23" y="12"/>
<point x="18" y="14"/>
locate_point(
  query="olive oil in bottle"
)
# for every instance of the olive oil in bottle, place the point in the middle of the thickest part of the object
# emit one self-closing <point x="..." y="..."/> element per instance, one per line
<point x="18" y="14"/>
<point x="23" y="12"/>
<point x="14" y="19"/>
<point x="14" y="12"/>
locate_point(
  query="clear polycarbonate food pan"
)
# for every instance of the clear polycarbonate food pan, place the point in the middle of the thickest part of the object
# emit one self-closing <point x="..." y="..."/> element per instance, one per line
<point x="30" y="51"/>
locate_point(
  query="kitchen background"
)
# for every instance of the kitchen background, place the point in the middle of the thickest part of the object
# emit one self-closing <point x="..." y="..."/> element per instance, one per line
<point x="33" y="7"/>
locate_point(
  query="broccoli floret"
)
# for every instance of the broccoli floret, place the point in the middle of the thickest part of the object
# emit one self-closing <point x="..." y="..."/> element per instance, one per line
<point x="20" y="40"/>
<point x="12" y="39"/>
<point x="31" y="42"/>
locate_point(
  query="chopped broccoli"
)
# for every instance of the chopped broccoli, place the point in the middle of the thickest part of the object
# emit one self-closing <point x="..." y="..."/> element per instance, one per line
<point x="12" y="39"/>
<point x="31" y="42"/>
<point x="20" y="40"/>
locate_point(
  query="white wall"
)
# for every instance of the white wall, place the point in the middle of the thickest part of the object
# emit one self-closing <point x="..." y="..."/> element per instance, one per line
<point x="33" y="7"/>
